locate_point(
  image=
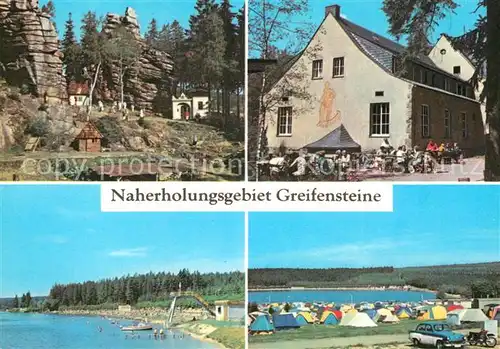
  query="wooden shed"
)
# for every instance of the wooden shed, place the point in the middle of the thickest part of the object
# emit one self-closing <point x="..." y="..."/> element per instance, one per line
<point x="89" y="138"/>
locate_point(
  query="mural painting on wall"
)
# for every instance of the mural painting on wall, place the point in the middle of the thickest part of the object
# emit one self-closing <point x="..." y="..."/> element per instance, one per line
<point x="327" y="112"/>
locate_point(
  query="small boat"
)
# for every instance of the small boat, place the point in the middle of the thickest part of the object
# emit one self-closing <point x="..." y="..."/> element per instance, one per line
<point x="138" y="327"/>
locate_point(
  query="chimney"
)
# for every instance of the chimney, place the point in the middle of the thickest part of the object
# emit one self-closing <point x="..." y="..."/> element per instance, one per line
<point x="334" y="10"/>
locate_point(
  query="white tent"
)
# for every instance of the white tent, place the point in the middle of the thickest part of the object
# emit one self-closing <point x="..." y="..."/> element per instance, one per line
<point x="357" y="320"/>
<point x="391" y="318"/>
<point x="472" y="315"/>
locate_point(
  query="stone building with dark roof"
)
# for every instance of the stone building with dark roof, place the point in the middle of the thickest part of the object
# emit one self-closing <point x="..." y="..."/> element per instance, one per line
<point x="358" y="80"/>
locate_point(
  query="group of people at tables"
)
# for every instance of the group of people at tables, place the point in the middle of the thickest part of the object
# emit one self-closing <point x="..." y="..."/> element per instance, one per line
<point x="300" y="163"/>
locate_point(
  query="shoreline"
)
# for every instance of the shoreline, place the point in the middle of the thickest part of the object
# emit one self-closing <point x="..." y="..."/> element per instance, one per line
<point x="201" y="338"/>
<point x="380" y="289"/>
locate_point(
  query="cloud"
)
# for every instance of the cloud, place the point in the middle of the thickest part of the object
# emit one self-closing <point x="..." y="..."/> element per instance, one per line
<point x="343" y="16"/>
<point x="130" y="252"/>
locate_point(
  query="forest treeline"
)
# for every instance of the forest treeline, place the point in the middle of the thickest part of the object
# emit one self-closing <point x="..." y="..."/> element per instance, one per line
<point x="132" y="289"/>
<point x="473" y="280"/>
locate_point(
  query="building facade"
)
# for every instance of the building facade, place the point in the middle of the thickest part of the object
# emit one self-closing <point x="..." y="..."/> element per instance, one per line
<point x="452" y="60"/>
<point x="190" y="106"/>
<point x="355" y="78"/>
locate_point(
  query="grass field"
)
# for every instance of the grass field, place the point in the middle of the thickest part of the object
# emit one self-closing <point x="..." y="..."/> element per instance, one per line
<point x="322" y="331"/>
<point x="230" y="337"/>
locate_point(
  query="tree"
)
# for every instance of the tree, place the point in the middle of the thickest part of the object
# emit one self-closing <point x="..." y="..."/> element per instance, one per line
<point x="28" y="299"/>
<point x="207" y="42"/>
<point x="241" y="56"/>
<point x="93" y="55"/>
<point x="152" y="33"/>
<point x="172" y="39"/>
<point x="72" y="52"/>
<point x="269" y="27"/>
<point x="23" y="301"/>
<point x="271" y="310"/>
<point x="15" y="302"/>
<point x="417" y="19"/>
<point x="124" y="50"/>
<point x="230" y="69"/>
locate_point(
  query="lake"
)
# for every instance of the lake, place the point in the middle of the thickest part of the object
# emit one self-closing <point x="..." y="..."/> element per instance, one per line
<point x="337" y="296"/>
<point x="37" y="331"/>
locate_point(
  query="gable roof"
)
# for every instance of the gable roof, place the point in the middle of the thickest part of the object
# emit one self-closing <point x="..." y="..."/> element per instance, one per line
<point x="381" y="49"/>
<point x="89" y="131"/>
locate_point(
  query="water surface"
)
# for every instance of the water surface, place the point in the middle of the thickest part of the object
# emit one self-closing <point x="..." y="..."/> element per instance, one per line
<point x="338" y="297"/>
<point x="37" y="331"/>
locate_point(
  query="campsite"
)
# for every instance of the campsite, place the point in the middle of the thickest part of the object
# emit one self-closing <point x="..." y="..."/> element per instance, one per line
<point x="325" y="325"/>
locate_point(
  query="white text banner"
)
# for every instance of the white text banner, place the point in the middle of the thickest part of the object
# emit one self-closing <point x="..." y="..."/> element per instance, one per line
<point x="241" y="196"/>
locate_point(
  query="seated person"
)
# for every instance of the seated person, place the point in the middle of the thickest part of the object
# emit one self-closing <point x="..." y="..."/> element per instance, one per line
<point x="386" y="145"/>
<point x="301" y="164"/>
<point x="400" y="155"/>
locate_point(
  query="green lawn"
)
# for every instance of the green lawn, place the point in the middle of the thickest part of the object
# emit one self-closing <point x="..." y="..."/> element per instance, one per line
<point x="322" y="331"/>
<point x="230" y="337"/>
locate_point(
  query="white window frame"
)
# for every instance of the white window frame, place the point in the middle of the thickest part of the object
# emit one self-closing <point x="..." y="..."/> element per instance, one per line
<point x="338" y="69"/>
<point x="447" y="124"/>
<point x="285" y="115"/>
<point x="464" y="125"/>
<point x="383" y="111"/>
<point x="317" y="71"/>
<point x="425" y="121"/>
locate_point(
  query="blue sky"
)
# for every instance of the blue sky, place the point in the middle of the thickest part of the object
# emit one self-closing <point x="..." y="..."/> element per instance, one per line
<point x="165" y="11"/>
<point x="368" y="13"/>
<point x="55" y="234"/>
<point x="430" y="225"/>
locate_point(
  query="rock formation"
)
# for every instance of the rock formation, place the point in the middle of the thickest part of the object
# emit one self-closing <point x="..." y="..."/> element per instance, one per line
<point x="29" y="49"/>
<point x="149" y="75"/>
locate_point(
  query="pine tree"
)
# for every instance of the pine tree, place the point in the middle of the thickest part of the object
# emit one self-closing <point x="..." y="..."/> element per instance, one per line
<point x="28" y="299"/>
<point x="72" y="52"/>
<point x="152" y="33"/>
<point x="240" y="57"/>
<point x="23" y="301"/>
<point x="91" y="43"/>
<point x="15" y="302"/>
<point x="207" y="42"/>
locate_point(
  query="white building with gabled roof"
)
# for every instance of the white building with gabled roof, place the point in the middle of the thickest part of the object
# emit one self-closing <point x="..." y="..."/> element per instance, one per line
<point x="190" y="105"/>
<point x="448" y="58"/>
<point x="355" y="82"/>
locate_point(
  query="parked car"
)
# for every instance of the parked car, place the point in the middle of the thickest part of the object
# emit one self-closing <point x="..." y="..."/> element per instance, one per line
<point x="436" y="335"/>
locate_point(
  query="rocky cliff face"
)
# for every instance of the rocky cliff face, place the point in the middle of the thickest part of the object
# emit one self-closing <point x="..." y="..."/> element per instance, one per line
<point x="150" y="74"/>
<point x="29" y="49"/>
